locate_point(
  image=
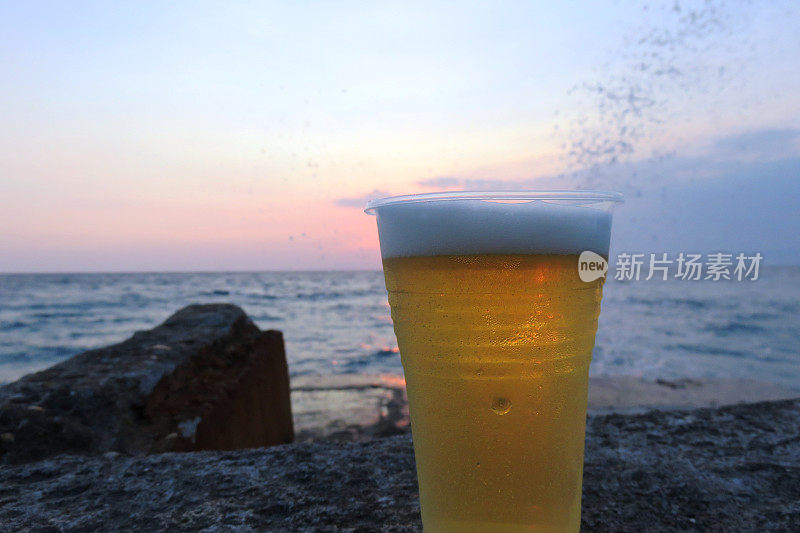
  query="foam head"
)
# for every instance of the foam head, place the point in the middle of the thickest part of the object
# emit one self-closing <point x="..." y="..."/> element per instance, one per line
<point x="554" y="222"/>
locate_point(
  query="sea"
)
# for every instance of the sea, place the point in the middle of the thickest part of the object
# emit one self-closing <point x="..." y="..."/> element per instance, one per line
<point x="339" y="322"/>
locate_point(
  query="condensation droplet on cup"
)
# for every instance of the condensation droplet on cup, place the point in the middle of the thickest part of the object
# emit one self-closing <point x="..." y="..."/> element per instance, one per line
<point x="501" y="406"/>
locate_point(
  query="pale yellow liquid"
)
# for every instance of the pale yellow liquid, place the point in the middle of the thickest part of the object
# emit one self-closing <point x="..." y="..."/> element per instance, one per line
<point x="496" y="352"/>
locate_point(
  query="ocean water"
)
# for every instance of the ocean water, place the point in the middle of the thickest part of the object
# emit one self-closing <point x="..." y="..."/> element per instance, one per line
<point x="338" y="322"/>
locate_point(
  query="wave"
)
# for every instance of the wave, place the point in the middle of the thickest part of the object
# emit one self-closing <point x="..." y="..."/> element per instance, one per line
<point x="731" y="328"/>
<point x="265" y="318"/>
<point x="13" y="324"/>
<point x="710" y="350"/>
<point x="672" y="302"/>
<point x="57" y="314"/>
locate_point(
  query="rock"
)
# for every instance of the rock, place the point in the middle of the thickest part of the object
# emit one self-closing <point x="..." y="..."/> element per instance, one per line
<point x="205" y="379"/>
<point x="729" y="469"/>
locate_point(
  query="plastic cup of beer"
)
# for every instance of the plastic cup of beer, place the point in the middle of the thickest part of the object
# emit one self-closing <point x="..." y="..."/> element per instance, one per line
<point x="496" y="325"/>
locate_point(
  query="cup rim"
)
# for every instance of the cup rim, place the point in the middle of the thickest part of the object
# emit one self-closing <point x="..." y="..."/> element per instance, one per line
<point x="556" y="195"/>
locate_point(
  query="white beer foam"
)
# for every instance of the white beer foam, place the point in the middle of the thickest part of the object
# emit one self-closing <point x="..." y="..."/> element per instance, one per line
<point x="460" y="227"/>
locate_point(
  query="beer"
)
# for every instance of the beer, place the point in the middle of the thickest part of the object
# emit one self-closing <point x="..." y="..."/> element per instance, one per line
<point x="495" y="331"/>
<point x="496" y="351"/>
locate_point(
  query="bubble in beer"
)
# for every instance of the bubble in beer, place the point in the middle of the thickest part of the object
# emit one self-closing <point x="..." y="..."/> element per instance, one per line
<point x="501" y="406"/>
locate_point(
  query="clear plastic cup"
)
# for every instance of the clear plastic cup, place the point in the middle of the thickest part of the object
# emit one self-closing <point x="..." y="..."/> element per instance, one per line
<point x="496" y="326"/>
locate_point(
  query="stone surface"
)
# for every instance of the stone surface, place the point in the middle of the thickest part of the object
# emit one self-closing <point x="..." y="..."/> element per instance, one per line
<point x="729" y="469"/>
<point x="207" y="378"/>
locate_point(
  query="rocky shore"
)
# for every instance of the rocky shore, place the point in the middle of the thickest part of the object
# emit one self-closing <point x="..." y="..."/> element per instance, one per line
<point x="728" y="469"/>
<point x="112" y="440"/>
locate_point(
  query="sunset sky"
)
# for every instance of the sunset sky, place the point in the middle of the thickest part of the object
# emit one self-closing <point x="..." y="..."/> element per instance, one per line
<point x="247" y="136"/>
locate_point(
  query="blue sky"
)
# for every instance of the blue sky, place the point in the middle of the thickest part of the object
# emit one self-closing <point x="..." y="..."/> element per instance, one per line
<point x="211" y="135"/>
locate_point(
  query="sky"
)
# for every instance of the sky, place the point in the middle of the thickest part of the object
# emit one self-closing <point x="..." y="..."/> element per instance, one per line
<point x="154" y="136"/>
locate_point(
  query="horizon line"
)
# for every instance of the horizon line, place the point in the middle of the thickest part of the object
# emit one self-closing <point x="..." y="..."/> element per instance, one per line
<point x="267" y="271"/>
